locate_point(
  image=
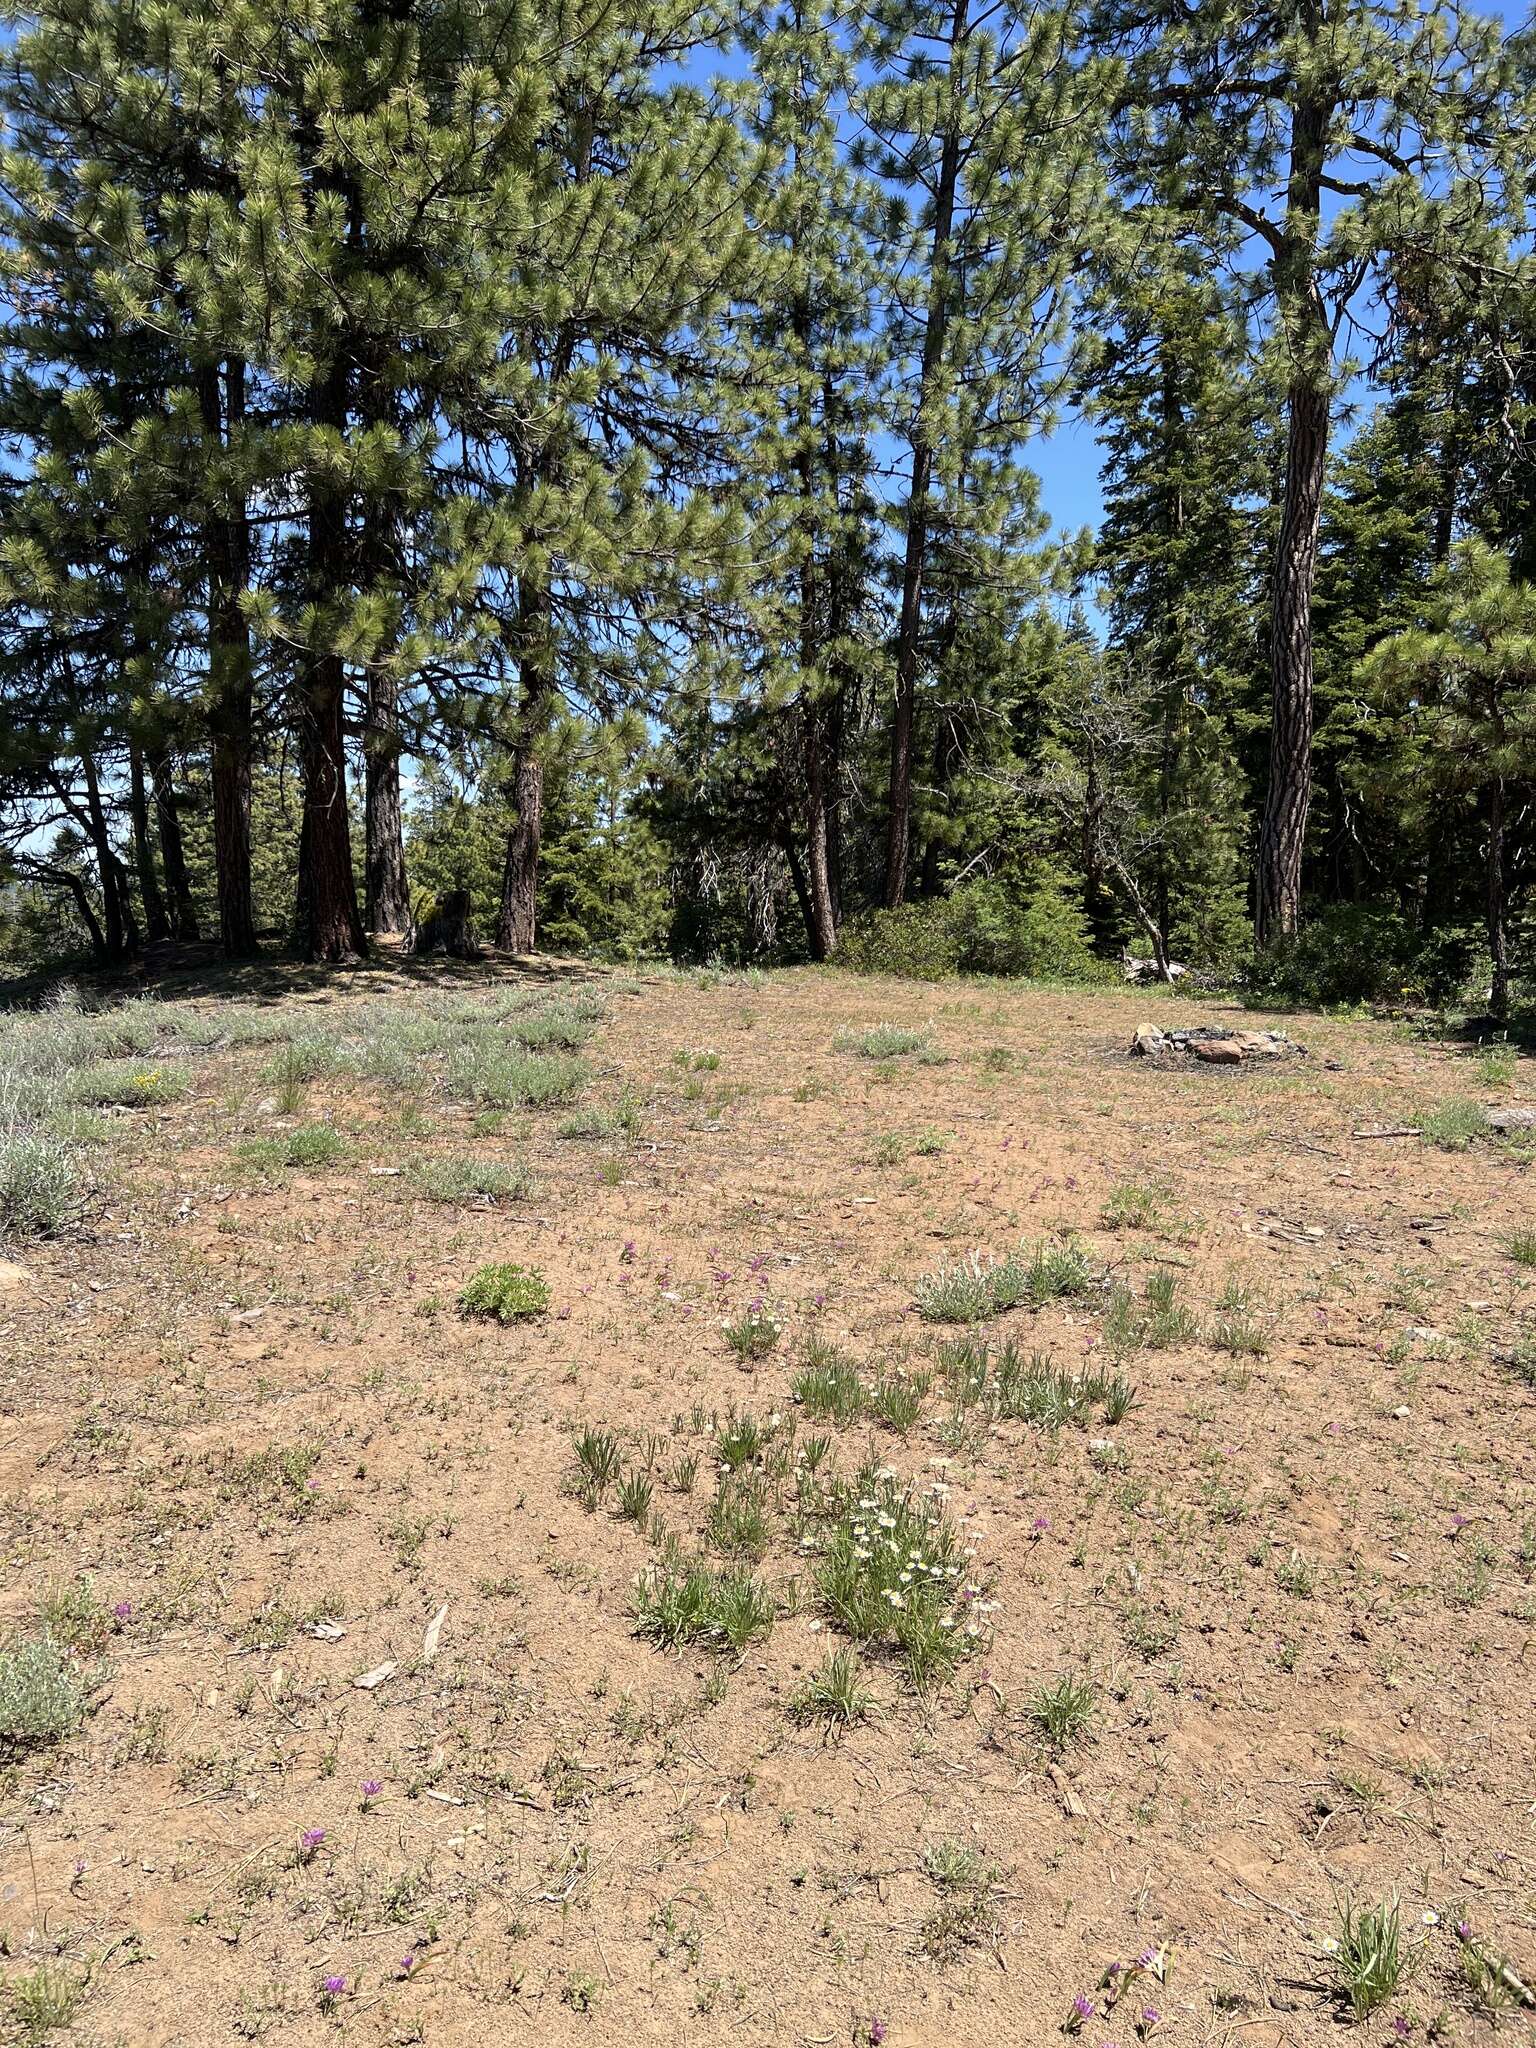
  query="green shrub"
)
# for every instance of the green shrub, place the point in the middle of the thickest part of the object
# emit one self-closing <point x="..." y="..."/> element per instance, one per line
<point x="1035" y="929"/>
<point x="42" y="1695"/>
<point x="471" y="1180"/>
<point x="38" y="1187"/>
<point x="505" y="1294"/>
<point x="307" y="1147"/>
<point x="918" y="942"/>
<point x="128" y="1084"/>
<point x="1031" y="926"/>
<point x="506" y="1077"/>
<point x="1454" y="1125"/>
<point x="1357" y="953"/>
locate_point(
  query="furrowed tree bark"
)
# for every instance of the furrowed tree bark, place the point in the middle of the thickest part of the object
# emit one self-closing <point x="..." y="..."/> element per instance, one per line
<point x="1282" y="836"/>
<point x="173" y="857"/>
<point x="820" y="907"/>
<point x="813" y="886"/>
<point x="517" y="924"/>
<point x="327" y="923"/>
<point x="1494" y="802"/>
<point x="1309" y="344"/>
<point x="386" y="890"/>
<point x="914" y="558"/>
<point x="226" y="545"/>
<point x="157" y="924"/>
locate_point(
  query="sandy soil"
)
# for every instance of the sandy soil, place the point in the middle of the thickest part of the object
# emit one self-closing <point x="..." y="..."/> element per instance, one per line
<point x="1301" y="1580"/>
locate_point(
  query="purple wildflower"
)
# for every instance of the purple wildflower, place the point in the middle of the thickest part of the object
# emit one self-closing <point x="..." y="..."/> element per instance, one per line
<point x="333" y="1987"/>
<point x="407" y="1964"/>
<point x="122" y="1613"/>
<point x="372" y="1787"/>
<point x="310" y="1840"/>
<point x="876" y="2032"/>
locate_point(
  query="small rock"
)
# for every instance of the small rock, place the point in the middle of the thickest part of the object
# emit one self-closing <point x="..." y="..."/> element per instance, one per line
<point x="1401" y="1414"/>
<point x="13" y="1276"/>
<point x="1149" y="1041"/>
<point x="1219" y="1052"/>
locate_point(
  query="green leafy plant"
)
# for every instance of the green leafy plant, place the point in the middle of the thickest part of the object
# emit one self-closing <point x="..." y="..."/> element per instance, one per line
<point x="39" y="1187"/>
<point x="505" y="1294"/>
<point x="43" y="1694"/>
<point x="891" y="1574"/>
<point x="471" y="1180"/>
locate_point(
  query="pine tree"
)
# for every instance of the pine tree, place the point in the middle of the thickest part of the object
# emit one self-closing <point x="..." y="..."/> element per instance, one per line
<point x="981" y="122"/>
<point x="811" y="368"/>
<point x="1317" y="130"/>
<point x="1466" y="681"/>
<point x="1176" y="559"/>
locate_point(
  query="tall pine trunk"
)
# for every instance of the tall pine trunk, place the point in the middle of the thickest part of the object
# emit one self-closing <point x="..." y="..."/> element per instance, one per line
<point x="517" y="923"/>
<point x="157" y="925"/>
<point x="1282" y="836"/>
<point x="898" y="844"/>
<point x="1309" y="346"/>
<point x="820" y="901"/>
<point x="173" y="856"/>
<point x="226" y="544"/>
<point x="327" y="923"/>
<point x="386" y="890"/>
<point x="813" y="884"/>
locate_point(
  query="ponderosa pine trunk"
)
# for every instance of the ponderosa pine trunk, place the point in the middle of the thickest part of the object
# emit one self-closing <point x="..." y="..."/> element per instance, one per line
<point x="517" y="922"/>
<point x="820" y="904"/>
<point x="386" y="890"/>
<point x="813" y="887"/>
<point x="173" y="854"/>
<point x="226" y="544"/>
<point x="157" y="925"/>
<point x="898" y="843"/>
<point x="1308" y="340"/>
<point x="1282" y="836"/>
<point x="327" y="922"/>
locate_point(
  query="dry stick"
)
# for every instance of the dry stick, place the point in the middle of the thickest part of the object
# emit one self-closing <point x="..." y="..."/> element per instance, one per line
<point x="1389" y="1131"/>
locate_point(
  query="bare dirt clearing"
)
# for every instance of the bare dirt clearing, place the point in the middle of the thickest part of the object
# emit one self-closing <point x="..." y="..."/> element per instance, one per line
<point x="1212" y="1426"/>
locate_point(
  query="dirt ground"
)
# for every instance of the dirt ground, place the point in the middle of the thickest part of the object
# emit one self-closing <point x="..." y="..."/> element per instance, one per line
<point x="245" y="1420"/>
